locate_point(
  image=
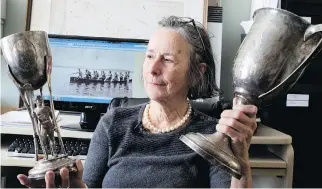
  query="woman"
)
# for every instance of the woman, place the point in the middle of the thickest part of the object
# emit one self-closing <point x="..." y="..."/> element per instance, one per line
<point x="139" y="146"/>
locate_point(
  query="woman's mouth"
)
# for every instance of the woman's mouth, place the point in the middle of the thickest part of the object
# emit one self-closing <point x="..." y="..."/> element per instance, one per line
<point x="157" y="84"/>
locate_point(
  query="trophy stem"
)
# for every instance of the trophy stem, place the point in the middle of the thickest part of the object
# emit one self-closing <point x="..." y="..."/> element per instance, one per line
<point x="23" y="97"/>
<point x="60" y="140"/>
<point x="30" y="94"/>
<point x="28" y="103"/>
<point x="241" y="100"/>
<point x="34" y="134"/>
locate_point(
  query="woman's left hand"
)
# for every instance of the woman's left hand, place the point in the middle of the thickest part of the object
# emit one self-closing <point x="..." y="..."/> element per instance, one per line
<point x="239" y="124"/>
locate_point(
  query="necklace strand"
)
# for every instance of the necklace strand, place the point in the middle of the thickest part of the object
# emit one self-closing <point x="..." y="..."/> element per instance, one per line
<point x="168" y="129"/>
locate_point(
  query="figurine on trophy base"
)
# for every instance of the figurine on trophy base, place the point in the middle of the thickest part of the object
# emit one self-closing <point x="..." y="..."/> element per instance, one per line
<point x="47" y="128"/>
<point x="29" y="63"/>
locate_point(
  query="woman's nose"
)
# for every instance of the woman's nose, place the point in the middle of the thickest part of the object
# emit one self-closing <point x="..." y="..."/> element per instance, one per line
<point x="155" y="66"/>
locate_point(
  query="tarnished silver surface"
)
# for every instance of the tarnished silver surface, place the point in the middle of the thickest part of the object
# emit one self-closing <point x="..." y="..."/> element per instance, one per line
<point x="216" y="149"/>
<point x="38" y="172"/>
<point x="29" y="63"/>
<point x="273" y="54"/>
<point x="46" y="125"/>
<point x="42" y="166"/>
<point x="25" y="54"/>
<point x="270" y="60"/>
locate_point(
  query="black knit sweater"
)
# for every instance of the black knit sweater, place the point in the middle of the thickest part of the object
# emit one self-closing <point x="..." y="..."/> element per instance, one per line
<point x="123" y="155"/>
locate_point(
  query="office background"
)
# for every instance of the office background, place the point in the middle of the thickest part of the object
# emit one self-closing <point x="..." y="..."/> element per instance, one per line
<point x="233" y="13"/>
<point x="16" y="18"/>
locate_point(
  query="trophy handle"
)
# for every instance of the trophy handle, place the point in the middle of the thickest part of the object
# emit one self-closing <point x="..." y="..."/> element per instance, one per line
<point x="301" y="66"/>
<point x="48" y="60"/>
<point x="312" y="29"/>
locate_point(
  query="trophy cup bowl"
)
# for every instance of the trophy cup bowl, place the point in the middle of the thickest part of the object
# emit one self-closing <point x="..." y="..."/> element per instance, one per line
<point x="29" y="62"/>
<point x="270" y="60"/>
<point x="24" y="53"/>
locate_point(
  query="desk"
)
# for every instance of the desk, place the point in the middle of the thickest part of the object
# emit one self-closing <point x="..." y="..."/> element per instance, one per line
<point x="275" y="161"/>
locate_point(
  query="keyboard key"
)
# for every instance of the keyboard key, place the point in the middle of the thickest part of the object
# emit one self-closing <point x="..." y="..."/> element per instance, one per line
<point x="74" y="154"/>
<point x="18" y="150"/>
<point x="31" y="151"/>
<point x="84" y="145"/>
<point x="83" y="152"/>
<point x="77" y="150"/>
<point x="14" y="144"/>
<point x="24" y="150"/>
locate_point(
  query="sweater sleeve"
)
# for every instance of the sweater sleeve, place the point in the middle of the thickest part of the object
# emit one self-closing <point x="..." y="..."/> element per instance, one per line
<point x="219" y="178"/>
<point x="96" y="163"/>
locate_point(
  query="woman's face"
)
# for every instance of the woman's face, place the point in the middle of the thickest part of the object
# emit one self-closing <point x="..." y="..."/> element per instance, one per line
<point x="166" y="66"/>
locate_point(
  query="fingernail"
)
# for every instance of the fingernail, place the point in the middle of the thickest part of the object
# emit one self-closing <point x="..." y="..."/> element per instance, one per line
<point x="49" y="174"/>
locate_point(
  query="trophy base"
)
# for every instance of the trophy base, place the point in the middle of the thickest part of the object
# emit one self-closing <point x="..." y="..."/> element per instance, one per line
<point x="38" y="172"/>
<point x="212" y="148"/>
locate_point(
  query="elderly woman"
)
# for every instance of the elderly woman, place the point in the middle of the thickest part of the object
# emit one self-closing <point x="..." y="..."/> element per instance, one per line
<point x="139" y="146"/>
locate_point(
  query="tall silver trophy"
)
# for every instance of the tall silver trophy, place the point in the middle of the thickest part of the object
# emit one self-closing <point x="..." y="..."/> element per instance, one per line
<point x="29" y="63"/>
<point x="270" y="60"/>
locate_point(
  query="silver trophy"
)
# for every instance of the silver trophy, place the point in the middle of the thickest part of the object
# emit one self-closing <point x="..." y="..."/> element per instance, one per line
<point x="270" y="60"/>
<point x="29" y="63"/>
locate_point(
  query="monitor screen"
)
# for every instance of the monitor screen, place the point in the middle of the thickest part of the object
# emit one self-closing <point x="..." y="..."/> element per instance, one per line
<point x="94" y="70"/>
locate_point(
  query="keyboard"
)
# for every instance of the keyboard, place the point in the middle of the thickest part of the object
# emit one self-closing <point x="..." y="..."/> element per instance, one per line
<point x="23" y="146"/>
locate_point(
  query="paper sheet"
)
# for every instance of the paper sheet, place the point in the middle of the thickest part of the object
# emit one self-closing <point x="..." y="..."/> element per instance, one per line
<point x="19" y="118"/>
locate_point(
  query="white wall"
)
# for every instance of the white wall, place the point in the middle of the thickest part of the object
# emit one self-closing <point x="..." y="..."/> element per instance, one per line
<point x="15" y="22"/>
<point x="233" y="13"/>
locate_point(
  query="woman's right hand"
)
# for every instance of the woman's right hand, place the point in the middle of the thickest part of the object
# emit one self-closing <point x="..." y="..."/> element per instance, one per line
<point x="76" y="182"/>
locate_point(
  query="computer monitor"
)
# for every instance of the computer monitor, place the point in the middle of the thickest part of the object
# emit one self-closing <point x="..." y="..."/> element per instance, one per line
<point x="88" y="72"/>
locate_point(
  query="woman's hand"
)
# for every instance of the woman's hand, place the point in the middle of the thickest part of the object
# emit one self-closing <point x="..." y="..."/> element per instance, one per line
<point x="66" y="182"/>
<point x="239" y="124"/>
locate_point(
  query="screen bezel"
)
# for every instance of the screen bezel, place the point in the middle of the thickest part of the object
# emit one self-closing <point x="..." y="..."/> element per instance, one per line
<point x="109" y="39"/>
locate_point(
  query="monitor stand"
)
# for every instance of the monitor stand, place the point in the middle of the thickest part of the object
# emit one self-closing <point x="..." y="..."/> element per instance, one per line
<point x="88" y="122"/>
<point x="75" y="127"/>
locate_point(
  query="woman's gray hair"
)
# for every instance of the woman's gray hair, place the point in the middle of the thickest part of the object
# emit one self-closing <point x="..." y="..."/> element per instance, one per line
<point x="200" y="85"/>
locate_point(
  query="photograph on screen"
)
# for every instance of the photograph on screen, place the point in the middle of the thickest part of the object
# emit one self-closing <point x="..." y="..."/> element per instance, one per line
<point x="93" y="71"/>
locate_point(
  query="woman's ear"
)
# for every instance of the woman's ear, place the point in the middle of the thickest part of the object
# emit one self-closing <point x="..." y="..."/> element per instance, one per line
<point x="202" y="70"/>
<point x="202" y="67"/>
<point x="197" y="78"/>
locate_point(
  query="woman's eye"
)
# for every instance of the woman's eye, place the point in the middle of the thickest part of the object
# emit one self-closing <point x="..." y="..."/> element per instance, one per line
<point x="168" y="60"/>
<point x="149" y="56"/>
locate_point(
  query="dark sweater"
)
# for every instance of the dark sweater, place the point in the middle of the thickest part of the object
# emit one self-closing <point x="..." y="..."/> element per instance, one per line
<point x="122" y="154"/>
